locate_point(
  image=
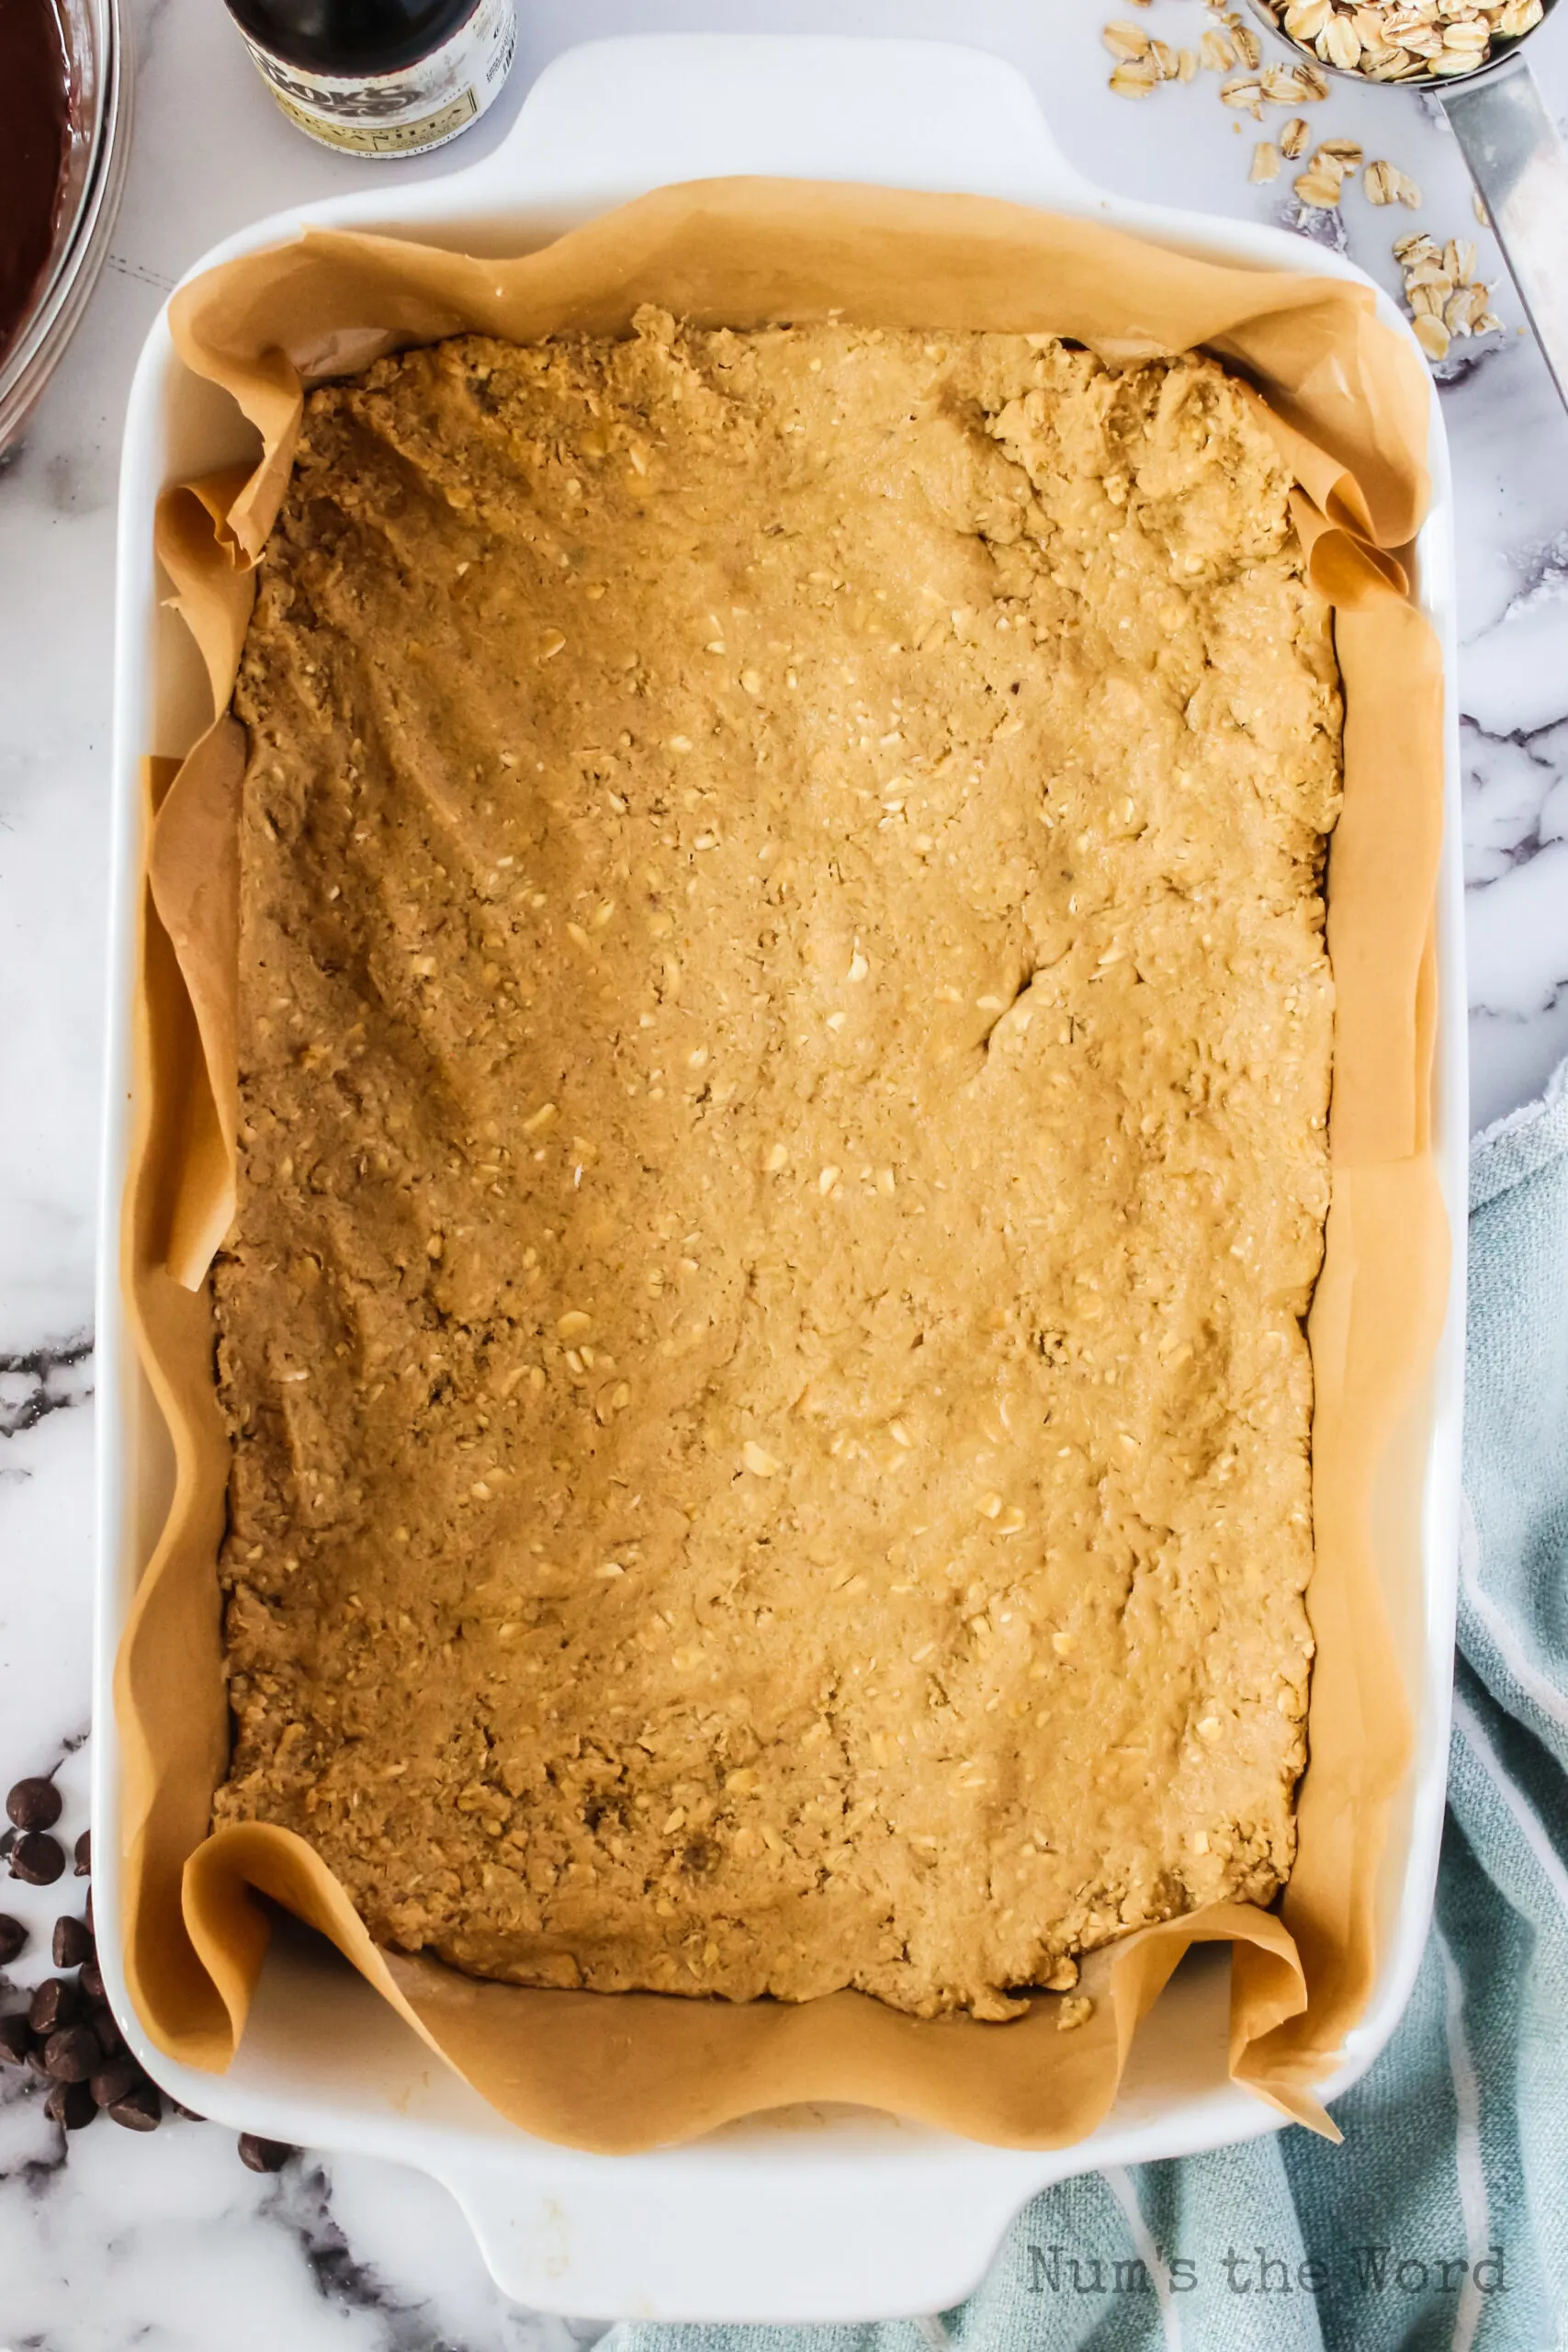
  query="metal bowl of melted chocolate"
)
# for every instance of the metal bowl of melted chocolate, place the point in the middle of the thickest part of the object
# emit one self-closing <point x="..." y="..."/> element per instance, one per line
<point x="64" y="134"/>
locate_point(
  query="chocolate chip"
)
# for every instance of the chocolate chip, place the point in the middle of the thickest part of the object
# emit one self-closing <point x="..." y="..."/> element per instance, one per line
<point x="100" y="2017"/>
<point x="73" y="2054"/>
<point x="87" y="1912"/>
<point x="188" y="2113"/>
<point x="34" y="1805"/>
<point x="36" y="1860"/>
<point x="13" y="1936"/>
<point x="34" y="2062"/>
<point x="70" y="2104"/>
<point x="83" y="1854"/>
<point x="56" y="2002"/>
<point x="140" y="2109"/>
<point x="72" y="1944"/>
<point x="113" y="2080"/>
<point x="92" y="1979"/>
<point x="16" y="2038"/>
<point x="263" y="2155"/>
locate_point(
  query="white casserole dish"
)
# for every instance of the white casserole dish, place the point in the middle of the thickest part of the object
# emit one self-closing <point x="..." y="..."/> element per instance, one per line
<point x="821" y="2213"/>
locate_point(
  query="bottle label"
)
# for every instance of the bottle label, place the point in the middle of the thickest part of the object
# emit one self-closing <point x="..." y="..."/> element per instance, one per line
<point x="408" y="112"/>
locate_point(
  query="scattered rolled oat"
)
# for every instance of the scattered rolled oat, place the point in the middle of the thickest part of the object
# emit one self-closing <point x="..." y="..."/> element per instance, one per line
<point x="1264" y="161"/>
<point x="1320" y="183"/>
<point x="1386" y="183"/>
<point x="1464" y="308"/>
<point x="1309" y="82"/>
<point x="1137" y="78"/>
<point x="1293" y="138"/>
<point x="1125" y="41"/>
<point x="1293" y="86"/>
<point x="1444" y="296"/>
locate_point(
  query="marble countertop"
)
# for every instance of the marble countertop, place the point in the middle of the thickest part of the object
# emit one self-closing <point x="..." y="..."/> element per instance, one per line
<point x="166" y="2241"/>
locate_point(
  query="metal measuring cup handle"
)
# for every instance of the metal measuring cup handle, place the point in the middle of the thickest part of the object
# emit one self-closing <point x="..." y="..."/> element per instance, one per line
<point x="1521" y="165"/>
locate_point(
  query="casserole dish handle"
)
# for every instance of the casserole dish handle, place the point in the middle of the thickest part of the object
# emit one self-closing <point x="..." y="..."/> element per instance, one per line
<point x="701" y="105"/>
<point x="842" y="2202"/>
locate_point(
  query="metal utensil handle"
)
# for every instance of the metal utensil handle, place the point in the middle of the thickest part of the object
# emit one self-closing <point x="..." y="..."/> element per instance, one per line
<point x="1521" y="165"/>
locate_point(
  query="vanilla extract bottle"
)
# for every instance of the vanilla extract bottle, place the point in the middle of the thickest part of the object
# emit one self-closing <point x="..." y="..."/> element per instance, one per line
<point x="380" y="78"/>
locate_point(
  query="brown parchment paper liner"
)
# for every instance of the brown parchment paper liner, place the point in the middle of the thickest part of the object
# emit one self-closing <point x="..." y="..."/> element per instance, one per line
<point x="1348" y="403"/>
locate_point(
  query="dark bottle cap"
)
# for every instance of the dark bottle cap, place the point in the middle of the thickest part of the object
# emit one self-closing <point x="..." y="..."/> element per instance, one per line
<point x="350" y="37"/>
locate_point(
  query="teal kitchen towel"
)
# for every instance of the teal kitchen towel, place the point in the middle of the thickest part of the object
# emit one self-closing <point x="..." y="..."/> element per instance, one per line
<point x="1442" y="2221"/>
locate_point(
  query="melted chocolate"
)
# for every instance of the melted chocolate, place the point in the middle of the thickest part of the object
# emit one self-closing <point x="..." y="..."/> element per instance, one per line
<point x="33" y="119"/>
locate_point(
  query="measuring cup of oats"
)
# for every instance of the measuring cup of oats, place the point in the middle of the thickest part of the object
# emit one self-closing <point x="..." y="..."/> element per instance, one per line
<point x="1468" y="54"/>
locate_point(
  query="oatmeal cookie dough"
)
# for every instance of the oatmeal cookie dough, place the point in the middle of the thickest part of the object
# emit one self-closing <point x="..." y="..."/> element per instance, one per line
<point x="784" y="1060"/>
